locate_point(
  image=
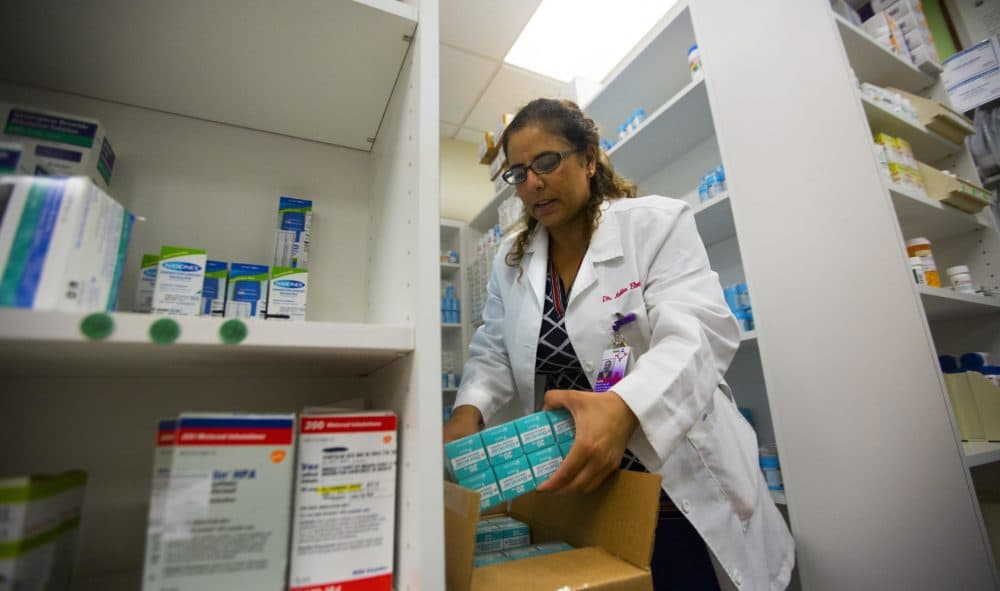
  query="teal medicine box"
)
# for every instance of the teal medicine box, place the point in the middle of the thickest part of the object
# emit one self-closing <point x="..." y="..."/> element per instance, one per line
<point x="502" y="443"/>
<point x="466" y="457"/>
<point x="514" y="478"/>
<point x="544" y="463"/>
<point x="562" y="424"/>
<point x="535" y="431"/>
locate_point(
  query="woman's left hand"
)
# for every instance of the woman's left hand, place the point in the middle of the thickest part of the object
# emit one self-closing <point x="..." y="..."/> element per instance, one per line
<point x="604" y="424"/>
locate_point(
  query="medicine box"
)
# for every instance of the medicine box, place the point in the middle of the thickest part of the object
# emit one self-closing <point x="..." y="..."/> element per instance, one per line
<point x="484" y="483"/>
<point x="62" y="244"/>
<point x="489" y="558"/>
<point x="487" y="148"/>
<point x="535" y="432"/>
<point x="514" y="478"/>
<point x="286" y="294"/>
<point x="291" y="247"/>
<point x="230" y="487"/>
<point x="213" y="292"/>
<point x="562" y="424"/>
<point x="60" y="144"/>
<point x="611" y="529"/>
<point x="564" y="447"/>
<point x="15" y="160"/>
<point x="489" y="538"/>
<point x="544" y="463"/>
<point x="147" y="283"/>
<point x="465" y="457"/>
<point x="166" y="436"/>
<point x="246" y="292"/>
<point x="345" y="501"/>
<point x="180" y="278"/>
<point x="502" y="443"/>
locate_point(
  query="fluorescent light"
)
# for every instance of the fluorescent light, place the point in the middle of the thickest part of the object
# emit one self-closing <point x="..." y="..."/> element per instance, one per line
<point x="586" y="38"/>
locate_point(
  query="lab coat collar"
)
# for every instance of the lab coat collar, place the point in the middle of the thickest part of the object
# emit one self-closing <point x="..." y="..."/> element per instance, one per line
<point x="605" y="245"/>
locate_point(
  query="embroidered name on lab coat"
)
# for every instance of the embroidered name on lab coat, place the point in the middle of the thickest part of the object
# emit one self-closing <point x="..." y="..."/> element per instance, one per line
<point x="632" y="285"/>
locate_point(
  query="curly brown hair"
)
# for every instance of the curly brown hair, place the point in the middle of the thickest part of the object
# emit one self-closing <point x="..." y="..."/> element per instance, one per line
<point x="564" y="118"/>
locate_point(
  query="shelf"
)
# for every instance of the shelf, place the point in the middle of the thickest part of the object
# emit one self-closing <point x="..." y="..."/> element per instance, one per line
<point x="451" y="325"/>
<point x="922" y="216"/>
<point x="449" y="390"/>
<point x="928" y="147"/>
<point x="41" y="343"/>
<point x="748" y="336"/>
<point x="450" y="268"/>
<point x="944" y="304"/>
<point x="875" y="64"/>
<point x="779" y="497"/>
<point x="978" y="453"/>
<point x="275" y="69"/>
<point x="488" y="216"/>
<point x="715" y="219"/>
<point x="671" y="131"/>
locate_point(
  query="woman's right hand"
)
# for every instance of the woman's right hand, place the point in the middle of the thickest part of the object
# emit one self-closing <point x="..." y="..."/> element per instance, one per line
<point x="465" y="420"/>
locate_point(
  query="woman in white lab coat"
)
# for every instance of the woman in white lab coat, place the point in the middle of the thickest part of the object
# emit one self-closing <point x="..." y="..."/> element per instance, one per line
<point x="590" y="255"/>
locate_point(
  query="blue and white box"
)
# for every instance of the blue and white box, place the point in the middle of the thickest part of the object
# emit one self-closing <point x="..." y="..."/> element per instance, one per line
<point x="562" y="424"/>
<point x="519" y="553"/>
<point x="286" y="295"/>
<point x="489" y="537"/>
<point x="564" y="447"/>
<point x="514" y="478"/>
<point x="246" y="293"/>
<point x="502" y="443"/>
<point x="180" y="277"/>
<point x="552" y="547"/>
<point x="466" y="457"/>
<point x="15" y="160"/>
<point x="147" y="283"/>
<point x="535" y="431"/>
<point x="488" y="559"/>
<point x="544" y="463"/>
<point x="291" y="246"/>
<point x="516" y="534"/>
<point x="213" y="293"/>
<point x="484" y="483"/>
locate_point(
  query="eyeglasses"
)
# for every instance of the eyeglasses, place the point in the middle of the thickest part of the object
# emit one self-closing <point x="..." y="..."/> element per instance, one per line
<point x="544" y="163"/>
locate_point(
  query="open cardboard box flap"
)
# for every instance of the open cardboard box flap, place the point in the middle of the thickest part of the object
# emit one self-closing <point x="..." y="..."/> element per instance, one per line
<point x="939" y="117"/>
<point x="612" y="528"/>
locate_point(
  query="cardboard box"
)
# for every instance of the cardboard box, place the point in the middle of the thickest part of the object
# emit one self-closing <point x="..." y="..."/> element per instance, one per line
<point x="180" y="278"/>
<point x="612" y="529"/>
<point x="953" y="190"/>
<point x="487" y="148"/>
<point x="939" y="118"/>
<point x="970" y="426"/>
<point x="61" y="145"/>
<point x="246" y="291"/>
<point x="291" y="243"/>
<point x="286" y="294"/>
<point x="987" y="399"/>
<point x="972" y="77"/>
<point x="163" y="457"/>
<point x="213" y="291"/>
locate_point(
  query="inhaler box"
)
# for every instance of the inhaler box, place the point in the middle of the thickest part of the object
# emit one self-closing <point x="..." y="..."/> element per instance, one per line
<point x="466" y="457"/>
<point x="286" y="294"/>
<point x="39" y="522"/>
<point x="484" y="483"/>
<point x="180" y="277"/>
<point x="562" y="424"/>
<point x="228" y="505"/>
<point x="62" y="244"/>
<point x="345" y="501"/>
<point x="246" y="293"/>
<point x="60" y="145"/>
<point x="291" y="247"/>
<point x="166" y="437"/>
<point x="213" y="292"/>
<point x="147" y="283"/>
<point x="535" y="432"/>
<point x="514" y="478"/>
<point x="502" y="443"/>
<point x="544" y="463"/>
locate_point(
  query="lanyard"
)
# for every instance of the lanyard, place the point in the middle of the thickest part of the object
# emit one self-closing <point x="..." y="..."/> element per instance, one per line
<point x="616" y="326"/>
<point x="557" y="295"/>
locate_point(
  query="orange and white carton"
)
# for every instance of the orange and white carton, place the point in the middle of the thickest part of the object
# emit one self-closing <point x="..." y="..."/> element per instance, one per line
<point x="345" y="501"/>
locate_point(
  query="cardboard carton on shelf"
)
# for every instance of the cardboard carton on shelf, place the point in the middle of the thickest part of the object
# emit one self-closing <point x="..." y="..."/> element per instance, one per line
<point x="954" y="190"/>
<point x="941" y="119"/>
<point x="612" y="529"/>
<point x="487" y="148"/>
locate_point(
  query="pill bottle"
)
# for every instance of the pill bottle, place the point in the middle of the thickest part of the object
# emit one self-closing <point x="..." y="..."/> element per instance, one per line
<point x="921" y="247"/>
<point x="771" y="467"/>
<point x="694" y="63"/>
<point x="961" y="279"/>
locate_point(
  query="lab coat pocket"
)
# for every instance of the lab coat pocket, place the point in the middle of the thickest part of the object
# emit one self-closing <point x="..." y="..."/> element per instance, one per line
<point x="728" y="448"/>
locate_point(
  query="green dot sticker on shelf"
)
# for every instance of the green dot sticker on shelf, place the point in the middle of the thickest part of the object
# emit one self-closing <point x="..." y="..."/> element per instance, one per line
<point x="164" y="331"/>
<point x="232" y="332"/>
<point x="97" y="326"/>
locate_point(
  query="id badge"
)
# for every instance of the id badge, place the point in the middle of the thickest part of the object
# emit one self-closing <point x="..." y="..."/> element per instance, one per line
<point x="614" y="363"/>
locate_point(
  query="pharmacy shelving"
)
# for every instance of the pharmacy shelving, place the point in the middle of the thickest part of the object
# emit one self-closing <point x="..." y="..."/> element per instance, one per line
<point x="206" y="144"/>
<point x="455" y="336"/>
<point x="927" y="145"/>
<point x="876" y="64"/>
<point x="715" y="220"/>
<point x="488" y="216"/>
<point x="53" y="343"/>
<point x="942" y="303"/>
<point x="920" y="215"/>
<point x="779" y="497"/>
<point x="979" y="453"/>
<point x="748" y="336"/>
<point x="448" y="269"/>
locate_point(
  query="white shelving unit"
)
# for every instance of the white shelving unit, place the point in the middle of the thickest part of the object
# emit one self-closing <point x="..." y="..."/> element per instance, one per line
<point x="213" y="118"/>
<point x="980" y="453"/>
<point x="455" y="336"/>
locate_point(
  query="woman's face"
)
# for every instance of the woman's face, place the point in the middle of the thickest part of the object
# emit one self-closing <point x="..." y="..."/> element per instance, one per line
<point x="557" y="198"/>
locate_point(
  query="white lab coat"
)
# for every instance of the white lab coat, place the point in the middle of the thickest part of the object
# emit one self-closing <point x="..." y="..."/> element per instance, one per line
<point x="646" y="257"/>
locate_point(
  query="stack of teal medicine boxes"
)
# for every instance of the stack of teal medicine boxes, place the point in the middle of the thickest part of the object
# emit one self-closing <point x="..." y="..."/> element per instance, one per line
<point x="511" y="459"/>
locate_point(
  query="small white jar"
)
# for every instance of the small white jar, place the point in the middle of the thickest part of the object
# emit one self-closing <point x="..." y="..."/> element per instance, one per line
<point x="961" y="279"/>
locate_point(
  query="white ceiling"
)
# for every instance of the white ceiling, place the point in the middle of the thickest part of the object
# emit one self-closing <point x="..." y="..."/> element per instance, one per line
<point x="476" y="86"/>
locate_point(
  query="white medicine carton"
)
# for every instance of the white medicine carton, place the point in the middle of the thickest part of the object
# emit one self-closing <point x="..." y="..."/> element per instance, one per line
<point x="180" y="278"/>
<point x="227" y="507"/>
<point x="60" y="144"/>
<point x="166" y="436"/>
<point x="345" y="501"/>
<point x="286" y="293"/>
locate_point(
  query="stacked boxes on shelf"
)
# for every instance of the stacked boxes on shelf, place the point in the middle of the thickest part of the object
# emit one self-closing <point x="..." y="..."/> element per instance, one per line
<point x="974" y="389"/>
<point x="901" y="26"/>
<point x="511" y="459"/>
<point x="480" y="269"/>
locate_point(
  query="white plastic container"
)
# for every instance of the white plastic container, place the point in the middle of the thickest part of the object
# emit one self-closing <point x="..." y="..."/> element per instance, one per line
<point x="694" y="63"/>
<point x="961" y="279"/>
